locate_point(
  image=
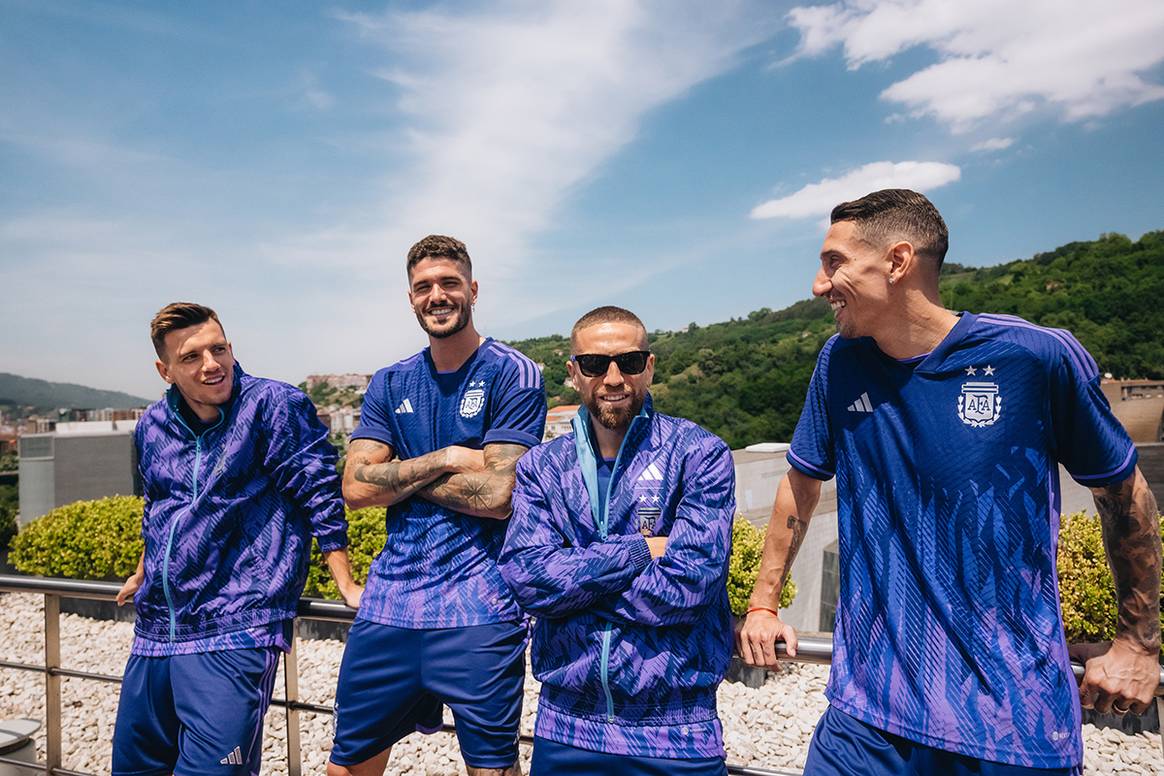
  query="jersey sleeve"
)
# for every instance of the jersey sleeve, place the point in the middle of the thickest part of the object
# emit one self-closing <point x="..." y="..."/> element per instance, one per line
<point x="519" y="410"/>
<point x="812" y="452"/>
<point x="1088" y="439"/>
<point x="376" y="413"/>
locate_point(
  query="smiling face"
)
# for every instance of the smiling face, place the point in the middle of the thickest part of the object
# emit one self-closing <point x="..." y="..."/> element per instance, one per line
<point x="442" y="295"/>
<point x="200" y="362"/>
<point x="613" y="398"/>
<point x="854" y="277"/>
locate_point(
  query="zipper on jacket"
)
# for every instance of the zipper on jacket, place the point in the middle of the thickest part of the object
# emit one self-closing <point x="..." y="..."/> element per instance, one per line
<point x="603" y="528"/>
<point x="177" y="517"/>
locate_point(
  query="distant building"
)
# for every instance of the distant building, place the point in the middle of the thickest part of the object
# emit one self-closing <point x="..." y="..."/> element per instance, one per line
<point x="340" y="420"/>
<point x="558" y="421"/>
<point x="351" y="380"/>
<point x="78" y="460"/>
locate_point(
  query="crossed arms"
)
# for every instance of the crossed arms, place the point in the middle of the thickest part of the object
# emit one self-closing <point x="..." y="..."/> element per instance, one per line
<point x="473" y="482"/>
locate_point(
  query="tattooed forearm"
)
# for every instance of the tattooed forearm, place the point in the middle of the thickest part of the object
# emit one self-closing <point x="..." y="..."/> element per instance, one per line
<point x="486" y="493"/>
<point x="796" y="498"/>
<point x="1131" y="536"/>
<point x="798" y="529"/>
<point x="372" y="477"/>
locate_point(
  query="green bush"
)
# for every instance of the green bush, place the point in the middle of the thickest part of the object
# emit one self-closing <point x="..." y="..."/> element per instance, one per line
<point x="7" y="526"/>
<point x="747" y="547"/>
<point x="8" y="508"/>
<point x="1086" y="589"/>
<point x="84" y="540"/>
<point x="365" y="538"/>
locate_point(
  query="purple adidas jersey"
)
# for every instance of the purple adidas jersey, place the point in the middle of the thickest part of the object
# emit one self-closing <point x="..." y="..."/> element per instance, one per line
<point x="438" y="568"/>
<point x="948" y="629"/>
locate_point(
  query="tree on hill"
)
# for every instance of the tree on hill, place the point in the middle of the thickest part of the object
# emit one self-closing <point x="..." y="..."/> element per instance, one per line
<point x="745" y="379"/>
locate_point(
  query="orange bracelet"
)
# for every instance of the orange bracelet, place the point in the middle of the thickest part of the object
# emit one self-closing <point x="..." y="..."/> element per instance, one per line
<point x="761" y="609"/>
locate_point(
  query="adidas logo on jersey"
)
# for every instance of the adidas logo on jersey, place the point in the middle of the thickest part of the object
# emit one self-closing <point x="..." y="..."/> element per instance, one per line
<point x="651" y="473"/>
<point x="234" y="758"/>
<point x="862" y="404"/>
<point x="405" y="406"/>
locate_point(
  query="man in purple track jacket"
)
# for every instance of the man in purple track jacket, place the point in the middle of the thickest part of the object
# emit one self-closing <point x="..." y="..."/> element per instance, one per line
<point x="238" y="475"/>
<point x="619" y="544"/>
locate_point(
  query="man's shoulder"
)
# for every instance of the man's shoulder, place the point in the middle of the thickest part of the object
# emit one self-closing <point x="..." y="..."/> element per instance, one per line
<point x="510" y="360"/>
<point x="402" y="367"/>
<point x="674" y="431"/>
<point x="255" y="389"/>
<point x="556" y="454"/>
<point x="1045" y="343"/>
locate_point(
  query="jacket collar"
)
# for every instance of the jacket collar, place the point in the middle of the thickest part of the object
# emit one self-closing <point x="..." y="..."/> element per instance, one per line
<point x="585" y="448"/>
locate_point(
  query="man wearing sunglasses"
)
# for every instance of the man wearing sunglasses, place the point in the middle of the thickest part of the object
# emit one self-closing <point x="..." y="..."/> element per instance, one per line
<point x="619" y="543"/>
<point x="439" y="435"/>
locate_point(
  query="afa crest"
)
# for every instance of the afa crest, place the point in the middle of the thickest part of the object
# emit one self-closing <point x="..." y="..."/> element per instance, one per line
<point x="473" y="400"/>
<point x="979" y="404"/>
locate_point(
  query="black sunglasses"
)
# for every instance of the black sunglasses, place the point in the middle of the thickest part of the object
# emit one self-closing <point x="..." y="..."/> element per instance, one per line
<point x="596" y="365"/>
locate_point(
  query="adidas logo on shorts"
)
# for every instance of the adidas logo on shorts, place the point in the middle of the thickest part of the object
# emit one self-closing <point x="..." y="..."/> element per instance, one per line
<point x="234" y="758"/>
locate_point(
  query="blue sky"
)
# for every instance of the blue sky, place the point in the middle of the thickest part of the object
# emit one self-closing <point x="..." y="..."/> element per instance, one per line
<point x="275" y="161"/>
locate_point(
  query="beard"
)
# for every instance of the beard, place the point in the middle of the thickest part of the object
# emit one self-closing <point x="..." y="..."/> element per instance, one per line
<point x="459" y="321"/>
<point x="615" y="418"/>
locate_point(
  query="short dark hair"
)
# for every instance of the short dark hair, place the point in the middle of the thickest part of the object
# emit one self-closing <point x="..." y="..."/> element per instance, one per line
<point x="898" y="214"/>
<point x="438" y="246"/>
<point x="178" y="315"/>
<point x="606" y="314"/>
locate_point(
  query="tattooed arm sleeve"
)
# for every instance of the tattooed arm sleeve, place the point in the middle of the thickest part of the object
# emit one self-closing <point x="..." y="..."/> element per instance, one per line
<point x="372" y="477"/>
<point x="1131" y="536"/>
<point x="485" y="493"/>
<point x="796" y="499"/>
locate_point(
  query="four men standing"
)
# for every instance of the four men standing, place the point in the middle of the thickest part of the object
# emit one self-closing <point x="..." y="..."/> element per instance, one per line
<point x="949" y="653"/>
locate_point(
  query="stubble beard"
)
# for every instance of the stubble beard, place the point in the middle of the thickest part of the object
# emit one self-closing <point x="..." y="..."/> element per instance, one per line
<point x="615" y="418"/>
<point x="460" y="321"/>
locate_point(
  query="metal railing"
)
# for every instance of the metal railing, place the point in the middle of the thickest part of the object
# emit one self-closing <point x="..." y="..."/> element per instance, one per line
<point x="811" y="649"/>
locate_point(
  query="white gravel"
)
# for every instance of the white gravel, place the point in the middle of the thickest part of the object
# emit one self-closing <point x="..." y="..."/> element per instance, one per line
<point x="766" y="727"/>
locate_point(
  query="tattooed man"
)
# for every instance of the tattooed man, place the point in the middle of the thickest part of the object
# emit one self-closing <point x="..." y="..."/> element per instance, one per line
<point x="439" y="436"/>
<point x="945" y="432"/>
<point x="619" y="544"/>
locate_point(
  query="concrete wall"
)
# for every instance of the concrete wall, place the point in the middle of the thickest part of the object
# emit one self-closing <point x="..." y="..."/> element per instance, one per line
<point x="58" y="469"/>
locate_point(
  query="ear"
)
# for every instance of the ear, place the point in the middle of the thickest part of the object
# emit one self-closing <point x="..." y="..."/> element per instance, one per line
<point x="163" y="370"/>
<point x="473" y="292"/>
<point x="902" y="261"/>
<point x="571" y="370"/>
<point x="650" y="370"/>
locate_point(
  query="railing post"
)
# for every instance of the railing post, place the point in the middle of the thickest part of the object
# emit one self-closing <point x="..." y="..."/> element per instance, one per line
<point x="52" y="682"/>
<point x="291" y="693"/>
<point x="1160" y="717"/>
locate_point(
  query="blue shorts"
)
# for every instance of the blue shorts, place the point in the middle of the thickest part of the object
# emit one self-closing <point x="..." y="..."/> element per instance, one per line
<point x="842" y="744"/>
<point x="553" y="759"/>
<point x="193" y="714"/>
<point x="393" y="681"/>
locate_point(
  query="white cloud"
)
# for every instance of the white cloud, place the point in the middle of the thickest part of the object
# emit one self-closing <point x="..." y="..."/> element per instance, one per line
<point x="993" y="144"/>
<point x="999" y="58"/>
<point x="506" y="110"/>
<point x="817" y="199"/>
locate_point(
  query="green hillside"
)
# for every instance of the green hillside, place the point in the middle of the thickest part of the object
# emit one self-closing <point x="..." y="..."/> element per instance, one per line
<point x="26" y="391"/>
<point x="745" y="379"/>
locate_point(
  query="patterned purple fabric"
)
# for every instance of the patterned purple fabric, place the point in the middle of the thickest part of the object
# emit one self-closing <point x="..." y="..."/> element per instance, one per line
<point x="948" y="629"/>
<point x="629" y="650"/>
<point x="230" y="513"/>
<point x="438" y="568"/>
<point x="276" y="634"/>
